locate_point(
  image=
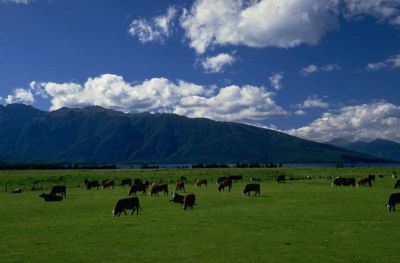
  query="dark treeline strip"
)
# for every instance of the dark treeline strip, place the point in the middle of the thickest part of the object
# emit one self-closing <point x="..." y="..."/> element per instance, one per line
<point x="54" y="166"/>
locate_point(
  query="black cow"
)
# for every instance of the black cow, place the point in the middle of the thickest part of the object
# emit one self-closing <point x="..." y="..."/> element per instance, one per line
<point x="17" y="191"/>
<point x="393" y="200"/>
<point x="126" y="182"/>
<point x="201" y="181"/>
<point x="252" y="187"/>
<point x="221" y="179"/>
<point x="397" y="184"/>
<point x="91" y="184"/>
<point x="137" y="188"/>
<point x="281" y="179"/>
<point x="188" y="201"/>
<point x="339" y="181"/>
<point x="50" y="198"/>
<point x="159" y="188"/>
<point x="127" y="203"/>
<point x="223" y="184"/>
<point x="177" y="198"/>
<point x="108" y="184"/>
<point x="59" y="189"/>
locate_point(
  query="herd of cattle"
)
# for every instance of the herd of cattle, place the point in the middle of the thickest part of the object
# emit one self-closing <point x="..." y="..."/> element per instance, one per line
<point x="188" y="200"/>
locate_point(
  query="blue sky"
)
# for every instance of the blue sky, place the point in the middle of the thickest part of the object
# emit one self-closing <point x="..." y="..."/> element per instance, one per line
<point x="315" y="69"/>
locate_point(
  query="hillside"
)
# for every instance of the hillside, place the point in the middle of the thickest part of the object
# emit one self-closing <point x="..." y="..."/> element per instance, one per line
<point x="95" y="134"/>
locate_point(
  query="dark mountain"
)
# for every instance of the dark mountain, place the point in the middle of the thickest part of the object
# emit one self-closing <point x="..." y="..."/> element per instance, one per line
<point x="379" y="148"/>
<point x="95" y="134"/>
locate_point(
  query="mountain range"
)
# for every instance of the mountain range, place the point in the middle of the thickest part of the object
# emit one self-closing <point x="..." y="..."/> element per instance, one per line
<point x="98" y="135"/>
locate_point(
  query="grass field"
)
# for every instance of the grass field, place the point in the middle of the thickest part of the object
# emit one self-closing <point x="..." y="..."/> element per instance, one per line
<point x="299" y="221"/>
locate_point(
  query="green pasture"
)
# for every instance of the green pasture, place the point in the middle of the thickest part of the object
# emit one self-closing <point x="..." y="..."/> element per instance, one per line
<point x="299" y="221"/>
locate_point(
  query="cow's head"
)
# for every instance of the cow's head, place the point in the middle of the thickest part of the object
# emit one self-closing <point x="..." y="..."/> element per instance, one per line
<point x="113" y="213"/>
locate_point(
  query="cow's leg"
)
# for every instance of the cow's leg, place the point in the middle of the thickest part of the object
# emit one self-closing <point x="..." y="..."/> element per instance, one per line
<point x="124" y="212"/>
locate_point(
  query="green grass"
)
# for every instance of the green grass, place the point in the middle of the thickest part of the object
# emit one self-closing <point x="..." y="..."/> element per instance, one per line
<point x="302" y="220"/>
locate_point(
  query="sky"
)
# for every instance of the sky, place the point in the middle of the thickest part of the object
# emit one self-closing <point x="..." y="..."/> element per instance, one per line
<point x="317" y="69"/>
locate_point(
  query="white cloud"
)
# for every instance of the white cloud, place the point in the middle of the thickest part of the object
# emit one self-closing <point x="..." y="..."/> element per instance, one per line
<point x="310" y="69"/>
<point x="20" y="96"/>
<point x="383" y="10"/>
<point x="264" y="23"/>
<point x="230" y="103"/>
<point x="330" y="67"/>
<point x="155" y="30"/>
<point x="360" y="122"/>
<point x="300" y="112"/>
<point x="17" y="1"/>
<point x="392" y="62"/>
<point x="276" y="80"/>
<point x="217" y="63"/>
<point x="313" y="101"/>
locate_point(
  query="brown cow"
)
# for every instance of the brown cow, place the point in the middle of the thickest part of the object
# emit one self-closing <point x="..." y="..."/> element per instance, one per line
<point x="201" y="181"/>
<point x="364" y="181"/>
<point x="188" y="201"/>
<point x="108" y="184"/>
<point x="137" y="188"/>
<point x="223" y="184"/>
<point x="180" y="186"/>
<point x="91" y="184"/>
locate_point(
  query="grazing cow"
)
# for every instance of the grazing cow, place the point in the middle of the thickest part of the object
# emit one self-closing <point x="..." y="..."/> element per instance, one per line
<point x="281" y="179"/>
<point x="254" y="179"/>
<point x="126" y="182"/>
<point x="127" y="203"/>
<point x="146" y="184"/>
<point x="180" y="186"/>
<point x="397" y="185"/>
<point x="393" y="200"/>
<point x="137" y="188"/>
<point x="159" y="188"/>
<point x="220" y="179"/>
<point x="252" y="187"/>
<point x="50" y="198"/>
<point x="59" y="189"/>
<point x="371" y="177"/>
<point x="223" y="184"/>
<point x="17" y="191"/>
<point x="339" y="181"/>
<point x="235" y="177"/>
<point x="108" y="184"/>
<point x="188" y="201"/>
<point x="91" y="184"/>
<point x="364" y="181"/>
<point x="201" y="181"/>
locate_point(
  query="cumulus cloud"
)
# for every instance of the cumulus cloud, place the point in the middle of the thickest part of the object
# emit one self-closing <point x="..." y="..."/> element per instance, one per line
<point x="230" y="103"/>
<point x="285" y="23"/>
<point x="310" y="69"/>
<point x="19" y="95"/>
<point x="363" y="122"/>
<point x="300" y="112"/>
<point x="276" y="80"/>
<point x="392" y="62"/>
<point x="383" y="10"/>
<point x="313" y="101"/>
<point x="154" y="30"/>
<point x="217" y="63"/>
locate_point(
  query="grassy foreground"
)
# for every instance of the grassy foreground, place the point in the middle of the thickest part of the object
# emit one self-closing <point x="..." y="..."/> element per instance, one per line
<point x="302" y="220"/>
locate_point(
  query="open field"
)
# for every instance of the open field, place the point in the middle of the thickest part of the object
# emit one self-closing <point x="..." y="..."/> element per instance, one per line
<point x="301" y="220"/>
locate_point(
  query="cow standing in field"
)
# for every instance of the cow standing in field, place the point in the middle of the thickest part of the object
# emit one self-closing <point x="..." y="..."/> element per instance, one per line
<point x="108" y="184"/>
<point x="59" y="189"/>
<point x="127" y="203"/>
<point x="364" y="181"/>
<point x="339" y="181"/>
<point x="223" y="184"/>
<point x="127" y="181"/>
<point x="250" y="188"/>
<point x="393" y="200"/>
<point x="91" y="184"/>
<point x="281" y="179"/>
<point x="397" y="184"/>
<point x="17" y="191"/>
<point x="201" y="182"/>
<point x="50" y="198"/>
<point x="139" y="187"/>
<point x="159" y="188"/>
<point x="180" y="186"/>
